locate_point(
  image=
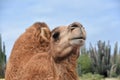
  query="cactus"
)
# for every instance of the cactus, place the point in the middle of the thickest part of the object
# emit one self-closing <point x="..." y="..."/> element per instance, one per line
<point x="2" y="59"/>
<point x="112" y="72"/>
<point x="115" y="60"/>
<point x="118" y="63"/>
<point x="103" y="62"/>
<point x="101" y="58"/>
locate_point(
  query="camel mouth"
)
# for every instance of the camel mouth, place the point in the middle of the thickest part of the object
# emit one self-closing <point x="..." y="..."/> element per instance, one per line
<point x="77" y="41"/>
<point x="80" y="38"/>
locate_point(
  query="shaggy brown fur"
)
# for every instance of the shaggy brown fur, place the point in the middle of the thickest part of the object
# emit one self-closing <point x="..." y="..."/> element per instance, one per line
<point x="35" y="40"/>
<point x="43" y="67"/>
<point x="59" y="63"/>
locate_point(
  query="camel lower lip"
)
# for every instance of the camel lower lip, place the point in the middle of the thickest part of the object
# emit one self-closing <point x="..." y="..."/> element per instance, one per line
<point x="77" y="42"/>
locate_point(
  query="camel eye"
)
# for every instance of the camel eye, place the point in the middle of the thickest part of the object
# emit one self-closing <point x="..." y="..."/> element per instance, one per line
<point x="56" y="35"/>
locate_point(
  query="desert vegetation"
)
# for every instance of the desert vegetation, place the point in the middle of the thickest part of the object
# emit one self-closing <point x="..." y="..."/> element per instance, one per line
<point x="99" y="60"/>
<point x="2" y="58"/>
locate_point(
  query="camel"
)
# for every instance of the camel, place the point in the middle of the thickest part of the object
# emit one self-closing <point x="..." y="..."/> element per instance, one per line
<point x="35" y="39"/>
<point x="59" y="62"/>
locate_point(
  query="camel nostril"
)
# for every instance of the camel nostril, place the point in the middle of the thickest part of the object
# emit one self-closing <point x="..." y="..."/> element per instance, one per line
<point x="75" y="25"/>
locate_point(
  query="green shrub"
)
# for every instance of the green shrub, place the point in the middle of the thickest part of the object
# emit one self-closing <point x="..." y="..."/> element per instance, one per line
<point x="84" y="64"/>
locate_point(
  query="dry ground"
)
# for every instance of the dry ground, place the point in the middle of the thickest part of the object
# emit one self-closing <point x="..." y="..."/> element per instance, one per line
<point x="111" y="79"/>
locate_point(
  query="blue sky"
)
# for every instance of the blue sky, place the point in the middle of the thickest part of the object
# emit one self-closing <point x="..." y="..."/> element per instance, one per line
<point x="101" y="18"/>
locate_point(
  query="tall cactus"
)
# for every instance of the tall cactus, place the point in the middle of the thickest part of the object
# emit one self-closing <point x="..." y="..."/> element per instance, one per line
<point x="115" y="60"/>
<point x="114" y="57"/>
<point x="103" y="62"/>
<point x="2" y="58"/>
<point x="101" y="58"/>
<point x="118" y="63"/>
<point x="112" y="72"/>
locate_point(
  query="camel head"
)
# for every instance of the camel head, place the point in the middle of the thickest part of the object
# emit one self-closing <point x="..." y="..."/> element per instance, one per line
<point x="65" y="39"/>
